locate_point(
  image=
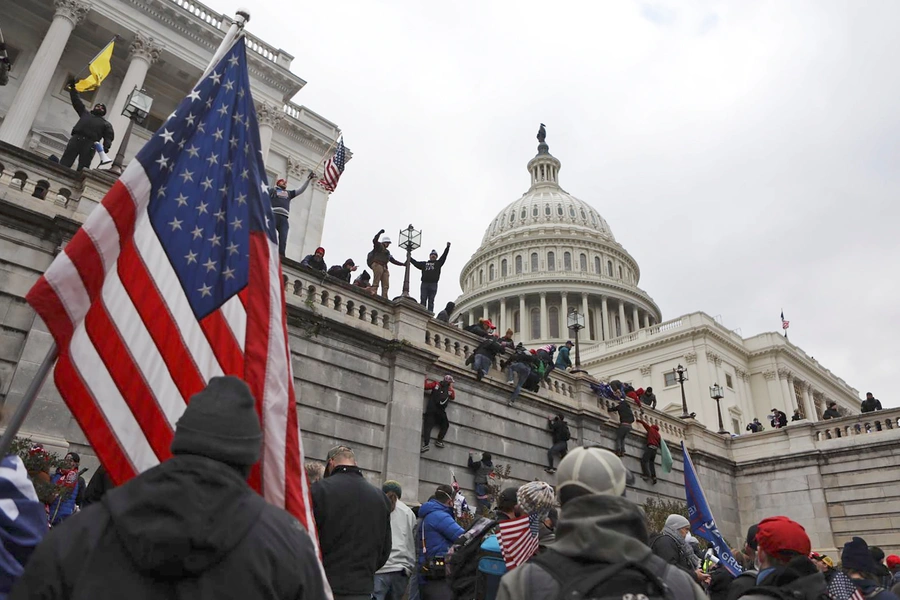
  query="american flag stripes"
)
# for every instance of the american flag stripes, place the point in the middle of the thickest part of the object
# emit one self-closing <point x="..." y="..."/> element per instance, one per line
<point x="334" y="167"/>
<point x="519" y="539"/>
<point x="784" y="324"/>
<point x="175" y="279"/>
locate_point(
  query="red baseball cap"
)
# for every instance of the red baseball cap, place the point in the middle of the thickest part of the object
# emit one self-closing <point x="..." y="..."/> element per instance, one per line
<point x="780" y="534"/>
<point x="893" y="561"/>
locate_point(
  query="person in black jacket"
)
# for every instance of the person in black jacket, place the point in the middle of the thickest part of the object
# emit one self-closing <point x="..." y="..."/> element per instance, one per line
<point x="482" y="470"/>
<point x="520" y="365"/>
<point x="431" y="274"/>
<point x="316" y="260"/>
<point x="90" y="129"/>
<point x="190" y="527"/>
<point x="100" y="483"/>
<point x="482" y="328"/>
<point x="484" y="356"/>
<point x="442" y="393"/>
<point x="870" y="404"/>
<point x="343" y="272"/>
<point x="626" y="418"/>
<point x="280" y="198"/>
<point x="559" y="433"/>
<point x="354" y="521"/>
<point x="832" y="411"/>
<point x="445" y="314"/>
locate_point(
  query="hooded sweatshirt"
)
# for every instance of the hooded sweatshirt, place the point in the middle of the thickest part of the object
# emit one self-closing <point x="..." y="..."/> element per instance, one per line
<point x="600" y="529"/>
<point x="179" y="530"/>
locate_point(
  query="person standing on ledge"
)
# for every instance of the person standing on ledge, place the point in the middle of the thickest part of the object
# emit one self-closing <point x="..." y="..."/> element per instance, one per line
<point x="431" y="274"/>
<point x="378" y="259"/>
<point x="91" y="128"/>
<point x="281" y="197"/>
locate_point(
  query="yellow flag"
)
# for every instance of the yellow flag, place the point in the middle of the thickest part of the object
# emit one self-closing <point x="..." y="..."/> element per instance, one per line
<point x="99" y="68"/>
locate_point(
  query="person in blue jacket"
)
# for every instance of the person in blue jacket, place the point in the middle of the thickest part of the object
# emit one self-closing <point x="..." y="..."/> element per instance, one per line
<point x="281" y="197"/>
<point x="23" y="521"/>
<point x="437" y="532"/>
<point x="563" y="361"/>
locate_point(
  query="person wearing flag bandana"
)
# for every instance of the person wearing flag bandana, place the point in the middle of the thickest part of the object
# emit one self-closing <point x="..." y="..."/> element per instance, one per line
<point x="91" y="128"/>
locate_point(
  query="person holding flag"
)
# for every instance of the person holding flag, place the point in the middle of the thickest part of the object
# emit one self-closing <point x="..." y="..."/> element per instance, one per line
<point x="90" y="128"/>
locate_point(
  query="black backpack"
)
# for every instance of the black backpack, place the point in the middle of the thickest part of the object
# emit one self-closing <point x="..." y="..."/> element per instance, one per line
<point x="565" y="432"/>
<point x="583" y="580"/>
<point x="369" y="258"/>
<point x="462" y="558"/>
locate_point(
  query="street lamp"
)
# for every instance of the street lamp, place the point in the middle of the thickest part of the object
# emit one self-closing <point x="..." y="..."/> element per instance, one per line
<point x="717" y="393"/>
<point x="136" y="109"/>
<point x="681" y="376"/>
<point x="576" y="322"/>
<point x="410" y="239"/>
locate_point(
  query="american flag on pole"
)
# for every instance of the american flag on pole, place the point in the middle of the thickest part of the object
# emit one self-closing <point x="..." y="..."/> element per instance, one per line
<point x="175" y="279"/>
<point x="334" y="167"/>
<point x="519" y="539"/>
<point x="784" y="324"/>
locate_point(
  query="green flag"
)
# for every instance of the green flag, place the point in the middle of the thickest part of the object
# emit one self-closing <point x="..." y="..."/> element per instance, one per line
<point x="666" y="456"/>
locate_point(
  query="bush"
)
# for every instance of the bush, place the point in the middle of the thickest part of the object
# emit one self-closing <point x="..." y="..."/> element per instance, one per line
<point x="657" y="511"/>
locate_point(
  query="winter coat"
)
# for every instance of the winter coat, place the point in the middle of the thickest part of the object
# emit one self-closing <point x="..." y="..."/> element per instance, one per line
<point x="339" y="272"/>
<point x="89" y="125"/>
<point x="441" y="394"/>
<point x="596" y="529"/>
<point x="482" y="470"/>
<point x="62" y="508"/>
<point x="809" y="586"/>
<point x="489" y="347"/>
<point x="870" y="405"/>
<point x="831" y="413"/>
<point x="23" y="521"/>
<point x="649" y="398"/>
<point x="281" y="199"/>
<point x="312" y="261"/>
<point x="354" y="520"/>
<point x="431" y="269"/>
<point x="443" y="316"/>
<point x="653" y="436"/>
<point x="867" y="587"/>
<point x="626" y="415"/>
<point x="559" y="431"/>
<point x="182" y="529"/>
<point x="562" y="359"/>
<point x="100" y="483"/>
<point x="439" y="529"/>
<point x="674" y="551"/>
<point x="478" y="330"/>
<point x="380" y="254"/>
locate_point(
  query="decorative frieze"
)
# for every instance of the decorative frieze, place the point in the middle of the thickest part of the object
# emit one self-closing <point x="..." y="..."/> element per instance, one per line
<point x="770" y="375"/>
<point x="690" y="358"/>
<point x="645" y="370"/>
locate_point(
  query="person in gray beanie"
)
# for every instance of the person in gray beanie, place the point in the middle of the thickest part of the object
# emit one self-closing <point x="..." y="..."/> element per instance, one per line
<point x="188" y="527"/>
<point x="598" y="528"/>
<point x="671" y="546"/>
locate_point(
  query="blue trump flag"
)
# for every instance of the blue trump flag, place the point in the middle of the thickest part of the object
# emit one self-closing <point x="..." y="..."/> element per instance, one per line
<point x="702" y="522"/>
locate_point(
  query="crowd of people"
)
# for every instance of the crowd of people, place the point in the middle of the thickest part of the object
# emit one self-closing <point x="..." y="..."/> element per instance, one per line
<point x="778" y="418"/>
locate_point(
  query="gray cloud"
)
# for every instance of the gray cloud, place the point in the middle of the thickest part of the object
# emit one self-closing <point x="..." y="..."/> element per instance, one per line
<point x="746" y="154"/>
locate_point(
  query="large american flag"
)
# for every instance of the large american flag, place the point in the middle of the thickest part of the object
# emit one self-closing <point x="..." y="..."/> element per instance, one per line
<point x="334" y="167"/>
<point x="519" y="539"/>
<point x="174" y="279"/>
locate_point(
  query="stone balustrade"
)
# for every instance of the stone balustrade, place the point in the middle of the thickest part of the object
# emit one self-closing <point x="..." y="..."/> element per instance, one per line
<point x="864" y="424"/>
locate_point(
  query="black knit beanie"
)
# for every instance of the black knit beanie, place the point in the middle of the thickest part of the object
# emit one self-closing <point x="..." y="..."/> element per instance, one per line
<point x="856" y="556"/>
<point x="220" y="423"/>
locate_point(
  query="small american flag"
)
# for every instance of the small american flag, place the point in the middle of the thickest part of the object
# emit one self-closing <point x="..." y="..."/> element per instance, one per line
<point x="784" y="324"/>
<point x="334" y="167"/>
<point x="519" y="539"/>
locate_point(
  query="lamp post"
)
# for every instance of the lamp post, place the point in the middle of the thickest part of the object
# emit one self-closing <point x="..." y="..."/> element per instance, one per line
<point x="681" y="376"/>
<point x="410" y="239"/>
<point x="717" y="393"/>
<point x="136" y="109"/>
<point x="576" y="322"/>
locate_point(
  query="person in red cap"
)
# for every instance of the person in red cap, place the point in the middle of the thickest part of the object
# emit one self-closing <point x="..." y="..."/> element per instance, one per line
<point x="315" y="260"/>
<point x="785" y="569"/>
<point x="893" y="565"/>
<point x="482" y="328"/>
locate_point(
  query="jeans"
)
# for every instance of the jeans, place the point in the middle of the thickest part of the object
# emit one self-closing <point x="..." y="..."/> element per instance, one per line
<point x="81" y="148"/>
<point x="648" y="462"/>
<point x="380" y="274"/>
<point x="561" y="448"/>
<point x="522" y="372"/>
<point x="483" y="497"/>
<point x="390" y="586"/>
<point x="428" y="291"/>
<point x="621" y="433"/>
<point x="481" y="363"/>
<point x="432" y="419"/>
<point x="282" y="225"/>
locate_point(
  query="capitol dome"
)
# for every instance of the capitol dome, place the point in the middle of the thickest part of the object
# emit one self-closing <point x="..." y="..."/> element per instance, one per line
<point x="546" y="255"/>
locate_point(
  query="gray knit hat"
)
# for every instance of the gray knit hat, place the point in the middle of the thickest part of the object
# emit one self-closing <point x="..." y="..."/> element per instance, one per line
<point x="590" y="471"/>
<point x="677" y="522"/>
<point x="220" y="423"/>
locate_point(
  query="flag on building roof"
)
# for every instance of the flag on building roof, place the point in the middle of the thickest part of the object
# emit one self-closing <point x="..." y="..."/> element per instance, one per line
<point x="784" y="323"/>
<point x="175" y="279"/>
<point x="334" y="167"/>
<point x="99" y="68"/>
<point x="519" y="539"/>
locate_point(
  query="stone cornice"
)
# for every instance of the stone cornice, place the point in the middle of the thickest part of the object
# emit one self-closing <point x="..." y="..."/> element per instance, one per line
<point x="839" y="386"/>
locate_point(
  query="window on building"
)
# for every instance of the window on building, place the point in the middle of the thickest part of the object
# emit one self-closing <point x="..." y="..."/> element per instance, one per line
<point x="593" y="218"/>
<point x="547" y="209"/>
<point x="620" y="272"/>
<point x="671" y="379"/>
<point x="582" y="262"/>
<point x="559" y="210"/>
<point x="512" y="216"/>
<point x="518" y="267"/>
<point x="480" y="276"/>
<point x="534" y="262"/>
<point x="736" y="425"/>
<point x="729" y="381"/>
<point x="503" y="268"/>
<point x="572" y="211"/>
<point x="516" y="327"/>
<point x="524" y="213"/>
<point x="567" y="261"/>
<point x="583" y="216"/>
<point x="534" y="210"/>
<point x="503" y="221"/>
<point x="597" y="268"/>
<point x="609" y="269"/>
<point x="551" y="261"/>
<point x="491" y="273"/>
<point x="535" y="324"/>
<point x="553" y="317"/>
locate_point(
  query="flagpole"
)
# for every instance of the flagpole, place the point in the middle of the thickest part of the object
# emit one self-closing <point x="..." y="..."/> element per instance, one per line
<point x="28" y="399"/>
<point x="330" y="148"/>
<point x="241" y="18"/>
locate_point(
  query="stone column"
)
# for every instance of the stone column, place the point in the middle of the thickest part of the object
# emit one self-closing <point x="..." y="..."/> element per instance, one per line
<point x="268" y="116"/>
<point x="587" y="317"/>
<point x="484" y="311"/>
<point x="623" y="324"/>
<point x="470" y="317"/>
<point x="809" y="408"/>
<point x="646" y="320"/>
<point x="143" y="53"/>
<point x="787" y="391"/>
<point x="604" y="318"/>
<point x="544" y="320"/>
<point x="635" y="318"/>
<point x="503" y="319"/>
<point x="565" y="313"/>
<point x="522" y="316"/>
<point x="772" y="387"/>
<point x="17" y="124"/>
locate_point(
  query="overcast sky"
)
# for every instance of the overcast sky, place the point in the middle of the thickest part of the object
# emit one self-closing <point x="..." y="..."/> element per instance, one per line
<point x="745" y="153"/>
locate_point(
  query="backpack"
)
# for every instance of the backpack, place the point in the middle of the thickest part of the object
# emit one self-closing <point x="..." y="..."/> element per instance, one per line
<point x="579" y="580"/>
<point x="462" y="558"/>
<point x="369" y="258"/>
<point x="565" y="432"/>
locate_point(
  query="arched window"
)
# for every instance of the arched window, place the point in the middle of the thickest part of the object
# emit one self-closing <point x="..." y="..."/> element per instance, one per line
<point x="572" y="211"/>
<point x="620" y="272"/>
<point x="553" y="317"/>
<point x="583" y="216"/>
<point x="516" y="327"/>
<point x="582" y="262"/>
<point x="512" y="216"/>
<point x="480" y="276"/>
<point x="518" y="266"/>
<point x="593" y="218"/>
<point x="534" y="262"/>
<point x="524" y="213"/>
<point x="503" y="221"/>
<point x="559" y="210"/>
<point x="567" y="261"/>
<point x="597" y="268"/>
<point x="609" y="270"/>
<point x="551" y="261"/>
<point x="534" y="210"/>
<point x="503" y="268"/>
<point x="618" y="327"/>
<point x="547" y="209"/>
<point x="491" y="272"/>
<point x="535" y="324"/>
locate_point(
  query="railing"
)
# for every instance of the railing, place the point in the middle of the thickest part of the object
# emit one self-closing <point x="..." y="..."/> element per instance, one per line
<point x="668" y="426"/>
<point x="39" y="178"/>
<point x="855" y="425"/>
